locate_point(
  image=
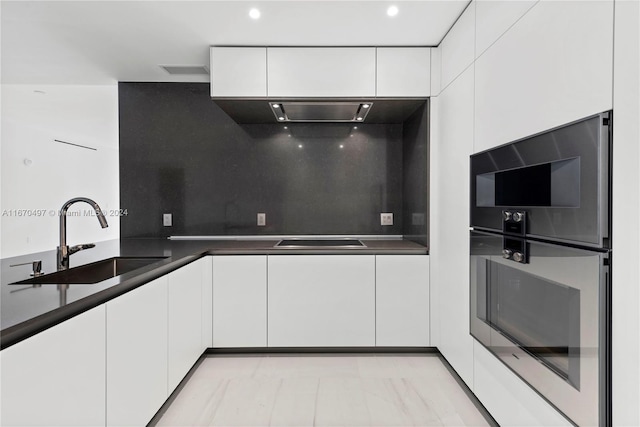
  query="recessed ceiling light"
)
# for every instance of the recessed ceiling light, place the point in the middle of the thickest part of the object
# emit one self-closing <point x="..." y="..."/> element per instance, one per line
<point x="341" y="146"/>
<point x="392" y="11"/>
<point x="255" y="13"/>
<point x="299" y="145"/>
<point x="276" y="105"/>
<point x="281" y="118"/>
<point x="365" y="105"/>
<point x="286" y="127"/>
<point x="355" y="127"/>
<point x="359" y="119"/>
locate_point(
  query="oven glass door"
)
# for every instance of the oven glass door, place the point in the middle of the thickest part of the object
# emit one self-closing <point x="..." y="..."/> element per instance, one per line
<point x="544" y="318"/>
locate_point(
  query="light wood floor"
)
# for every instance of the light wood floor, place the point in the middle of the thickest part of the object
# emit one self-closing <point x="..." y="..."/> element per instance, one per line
<point x="322" y="390"/>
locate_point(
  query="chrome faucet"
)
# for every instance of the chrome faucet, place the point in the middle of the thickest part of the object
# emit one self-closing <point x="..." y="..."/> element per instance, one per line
<point x="64" y="251"/>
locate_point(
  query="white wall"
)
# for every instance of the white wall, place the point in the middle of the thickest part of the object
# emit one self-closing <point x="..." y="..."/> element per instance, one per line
<point x="530" y="66"/>
<point x="32" y="117"/>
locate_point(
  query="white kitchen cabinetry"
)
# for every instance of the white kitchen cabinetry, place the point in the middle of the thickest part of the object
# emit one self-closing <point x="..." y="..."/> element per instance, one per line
<point x="509" y="399"/>
<point x="321" y="72"/>
<point x="321" y="300"/>
<point x="402" y="300"/>
<point x="238" y="71"/>
<point x="457" y="48"/>
<point x="625" y="340"/>
<point x="56" y="378"/>
<point x="207" y="302"/>
<point x="552" y="67"/>
<point x="185" y="320"/>
<point x="137" y="354"/>
<point x="449" y="248"/>
<point x="403" y="72"/>
<point x="240" y="301"/>
<point x="494" y="17"/>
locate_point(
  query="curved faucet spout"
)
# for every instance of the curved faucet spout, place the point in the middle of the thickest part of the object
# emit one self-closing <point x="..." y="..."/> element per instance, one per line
<point x="63" y="250"/>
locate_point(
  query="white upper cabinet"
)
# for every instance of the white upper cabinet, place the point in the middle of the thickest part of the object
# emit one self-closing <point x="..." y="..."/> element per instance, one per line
<point x="238" y="72"/>
<point x="458" y="50"/>
<point x="494" y="17"/>
<point x="552" y="67"/>
<point x="403" y="72"/>
<point x="321" y="72"/>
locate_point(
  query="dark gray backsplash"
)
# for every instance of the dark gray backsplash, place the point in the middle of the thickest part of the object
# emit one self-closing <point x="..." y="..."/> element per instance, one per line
<point x="181" y="154"/>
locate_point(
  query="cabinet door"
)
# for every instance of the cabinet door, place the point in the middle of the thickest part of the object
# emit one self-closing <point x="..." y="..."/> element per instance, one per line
<point x="207" y="302"/>
<point x="238" y="71"/>
<point x="403" y="71"/>
<point x="321" y="300"/>
<point x="457" y="48"/>
<point x="137" y="354"/>
<point x="402" y="300"/>
<point x="321" y="72"/>
<point x="185" y="321"/>
<point x="240" y="301"/>
<point x="449" y="242"/>
<point x="56" y="378"/>
<point x="553" y="66"/>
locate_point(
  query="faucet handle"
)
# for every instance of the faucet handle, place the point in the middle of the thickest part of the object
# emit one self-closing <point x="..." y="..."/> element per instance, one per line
<point x="76" y="248"/>
<point x="36" y="265"/>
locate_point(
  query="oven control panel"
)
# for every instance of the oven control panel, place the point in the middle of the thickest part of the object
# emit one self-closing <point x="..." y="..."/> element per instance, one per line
<point x="514" y="222"/>
<point x="515" y="250"/>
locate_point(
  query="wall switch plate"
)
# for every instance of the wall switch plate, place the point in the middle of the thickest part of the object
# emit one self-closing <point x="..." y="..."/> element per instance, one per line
<point x="262" y="219"/>
<point x="417" y="219"/>
<point x="167" y="220"/>
<point x="386" y="219"/>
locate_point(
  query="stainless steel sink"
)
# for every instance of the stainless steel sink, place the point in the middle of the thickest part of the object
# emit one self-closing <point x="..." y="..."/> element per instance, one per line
<point x="320" y="243"/>
<point x="92" y="273"/>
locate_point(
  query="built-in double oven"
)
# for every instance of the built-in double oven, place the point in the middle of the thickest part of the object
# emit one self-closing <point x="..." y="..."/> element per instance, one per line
<point x="540" y="263"/>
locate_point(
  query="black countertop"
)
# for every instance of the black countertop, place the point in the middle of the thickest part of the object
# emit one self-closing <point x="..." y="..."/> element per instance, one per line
<point x="26" y="310"/>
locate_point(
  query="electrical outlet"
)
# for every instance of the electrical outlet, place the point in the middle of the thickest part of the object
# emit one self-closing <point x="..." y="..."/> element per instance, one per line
<point x="386" y="219"/>
<point x="262" y="219"/>
<point x="167" y="220"/>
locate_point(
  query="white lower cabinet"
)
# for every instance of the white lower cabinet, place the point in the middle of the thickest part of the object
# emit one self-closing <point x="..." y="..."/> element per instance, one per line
<point x="137" y="354"/>
<point x="56" y="378"/>
<point x="133" y="351"/>
<point x="185" y="320"/>
<point x="321" y="300"/>
<point x="207" y="302"/>
<point x="402" y="301"/>
<point x="240" y="301"/>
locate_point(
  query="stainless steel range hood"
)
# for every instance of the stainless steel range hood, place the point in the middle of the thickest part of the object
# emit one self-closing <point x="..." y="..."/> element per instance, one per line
<point x="320" y="111"/>
<point x="263" y="111"/>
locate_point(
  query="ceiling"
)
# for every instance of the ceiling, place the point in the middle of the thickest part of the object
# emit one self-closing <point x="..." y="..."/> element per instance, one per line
<point x="102" y="42"/>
